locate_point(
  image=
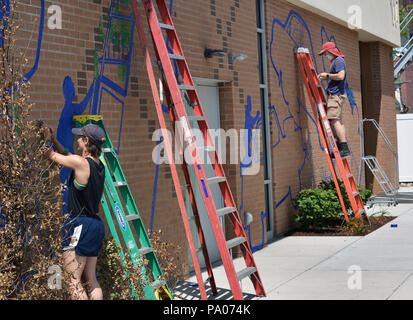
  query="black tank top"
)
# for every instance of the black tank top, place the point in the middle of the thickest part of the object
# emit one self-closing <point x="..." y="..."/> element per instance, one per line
<point x="86" y="201"/>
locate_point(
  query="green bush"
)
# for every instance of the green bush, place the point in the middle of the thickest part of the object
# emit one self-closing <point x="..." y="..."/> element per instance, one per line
<point x="365" y="194"/>
<point x="320" y="207"/>
<point x="317" y="208"/>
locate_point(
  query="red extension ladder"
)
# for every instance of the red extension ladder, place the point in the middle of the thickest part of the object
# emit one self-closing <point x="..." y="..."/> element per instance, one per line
<point x="175" y="94"/>
<point x="319" y="103"/>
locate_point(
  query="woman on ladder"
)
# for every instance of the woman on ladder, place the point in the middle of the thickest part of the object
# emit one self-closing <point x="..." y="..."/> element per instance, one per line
<point x="83" y="230"/>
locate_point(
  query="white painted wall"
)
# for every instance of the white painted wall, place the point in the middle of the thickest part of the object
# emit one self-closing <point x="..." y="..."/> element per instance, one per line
<point x="375" y="20"/>
<point x="405" y="146"/>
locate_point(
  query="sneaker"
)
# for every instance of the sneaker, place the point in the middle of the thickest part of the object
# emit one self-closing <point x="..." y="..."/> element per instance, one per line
<point x="344" y="150"/>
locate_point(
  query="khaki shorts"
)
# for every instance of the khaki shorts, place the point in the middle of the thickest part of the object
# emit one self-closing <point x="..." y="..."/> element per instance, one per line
<point x="335" y="105"/>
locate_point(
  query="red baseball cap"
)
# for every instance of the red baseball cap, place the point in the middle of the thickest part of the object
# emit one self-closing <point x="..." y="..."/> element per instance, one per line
<point x="331" y="47"/>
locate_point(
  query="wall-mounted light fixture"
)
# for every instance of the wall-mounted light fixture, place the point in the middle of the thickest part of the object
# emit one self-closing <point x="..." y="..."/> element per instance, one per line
<point x="248" y="218"/>
<point x="209" y="53"/>
<point x="237" y="57"/>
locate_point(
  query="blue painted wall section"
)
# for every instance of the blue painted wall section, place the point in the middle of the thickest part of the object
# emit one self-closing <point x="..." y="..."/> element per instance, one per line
<point x="252" y="155"/>
<point x="101" y="84"/>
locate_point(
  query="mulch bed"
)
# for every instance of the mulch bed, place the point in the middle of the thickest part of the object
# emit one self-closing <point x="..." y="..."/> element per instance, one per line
<point x="376" y="222"/>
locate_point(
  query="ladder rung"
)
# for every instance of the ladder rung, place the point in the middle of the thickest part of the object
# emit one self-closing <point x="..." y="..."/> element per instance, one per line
<point x="245" y="273"/>
<point x="120" y="184"/>
<point x="216" y="179"/>
<point x="235" y="242"/>
<point x="166" y="26"/>
<point x="207" y="148"/>
<point x="176" y="56"/>
<point x="108" y="150"/>
<point x="132" y="217"/>
<point x="223" y="211"/>
<point x="196" y="118"/>
<point x="145" y="250"/>
<point x="185" y="87"/>
<point x="157" y="284"/>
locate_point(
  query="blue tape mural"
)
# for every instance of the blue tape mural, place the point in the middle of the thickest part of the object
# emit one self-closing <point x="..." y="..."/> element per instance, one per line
<point x="30" y="74"/>
<point x="297" y="30"/>
<point x="116" y="51"/>
<point x="252" y="155"/>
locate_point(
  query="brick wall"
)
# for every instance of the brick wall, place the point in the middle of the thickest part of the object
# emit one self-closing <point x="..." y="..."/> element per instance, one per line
<point x="379" y="104"/>
<point x="298" y="161"/>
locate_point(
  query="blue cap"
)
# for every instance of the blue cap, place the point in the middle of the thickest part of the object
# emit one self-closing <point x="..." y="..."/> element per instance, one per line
<point x="95" y="133"/>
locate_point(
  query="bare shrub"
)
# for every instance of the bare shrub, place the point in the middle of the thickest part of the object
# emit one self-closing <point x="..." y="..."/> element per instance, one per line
<point x="30" y="191"/>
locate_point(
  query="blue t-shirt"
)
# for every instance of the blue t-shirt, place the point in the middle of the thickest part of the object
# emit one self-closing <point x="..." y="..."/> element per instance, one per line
<point x="337" y="87"/>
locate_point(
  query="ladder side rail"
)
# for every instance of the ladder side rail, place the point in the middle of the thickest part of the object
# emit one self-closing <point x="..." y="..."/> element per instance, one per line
<point x="127" y="197"/>
<point x="169" y="153"/>
<point x="173" y="40"/>
<point x="126" y="232"/>
<point x="111" y="224"/>
<point x="115" y="235"/>
<point x="355" y="194"/>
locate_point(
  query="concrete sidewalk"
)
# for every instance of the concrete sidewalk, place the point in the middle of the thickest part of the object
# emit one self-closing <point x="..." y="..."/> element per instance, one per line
<point x="378" y="266"/>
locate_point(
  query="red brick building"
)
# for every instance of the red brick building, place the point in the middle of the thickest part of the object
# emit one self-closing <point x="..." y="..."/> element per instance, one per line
<point x="407" y="74"/>
<point x="265" y="92"/>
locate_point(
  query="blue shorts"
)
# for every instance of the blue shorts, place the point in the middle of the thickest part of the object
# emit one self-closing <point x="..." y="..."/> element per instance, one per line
<point x="84" y="234"/>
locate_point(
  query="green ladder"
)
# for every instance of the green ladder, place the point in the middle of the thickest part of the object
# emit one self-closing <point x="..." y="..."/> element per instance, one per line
<point x="115" y="182"/>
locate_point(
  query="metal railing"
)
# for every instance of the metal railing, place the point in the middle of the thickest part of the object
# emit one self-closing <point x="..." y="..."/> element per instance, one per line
<point x="406" y="21"/>
<point x="389" y="145"/>
<point x="405" y="53"/>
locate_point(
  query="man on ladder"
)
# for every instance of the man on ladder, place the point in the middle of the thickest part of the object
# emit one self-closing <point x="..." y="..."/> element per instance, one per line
<point x="336" y="93"/>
